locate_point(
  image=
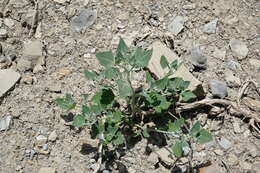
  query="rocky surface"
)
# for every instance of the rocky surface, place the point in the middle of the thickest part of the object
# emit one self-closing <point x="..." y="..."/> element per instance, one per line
<point x="65" y="37"/>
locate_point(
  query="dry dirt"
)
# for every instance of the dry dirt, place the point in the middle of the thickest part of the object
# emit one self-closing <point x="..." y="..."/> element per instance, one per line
<point x="68" y="53"/>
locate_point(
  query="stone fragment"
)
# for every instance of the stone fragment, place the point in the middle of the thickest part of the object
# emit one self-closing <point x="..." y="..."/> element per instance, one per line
<point x="41" y="140"/>
<point x="5" y="122"/>
<point x="255" y="63"/>
<point x="233" y="65"/>
<point x="47" y="170"/>
<point x="154" y="65"/>
<point x="33" y="48"/>
<point x="218" y="88"/>
<point x="85" y="19"/>
<point x="9" y="22"/>
<point x="238" y="48"/>
<point x="165" y="155"/>
<point x="198" y="58"/>
<point x="211" y="27"/>
<point x="3" y="33"/>
<point x="53" y="136"/>
<point x="176" y="25"/>
<point x="220" y="53"/>
<point x="8" y="79"/>
<point x="153" y="158"/>
<point x="231" y="79"/>
<point x="24" y="65"/>
<point x="232" y="159"/>
<point x="225" y="143"/>
<point x="189" y="6"/>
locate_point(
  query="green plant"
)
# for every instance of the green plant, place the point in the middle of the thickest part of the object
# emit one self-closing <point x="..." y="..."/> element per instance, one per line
<point x="110" y="121"/>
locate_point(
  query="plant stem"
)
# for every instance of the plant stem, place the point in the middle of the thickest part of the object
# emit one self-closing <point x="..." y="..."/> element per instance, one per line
<point x="132" y="102"/>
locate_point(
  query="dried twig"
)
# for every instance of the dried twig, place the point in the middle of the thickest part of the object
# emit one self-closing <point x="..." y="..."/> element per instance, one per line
<point x="34" y="18"/>
<point x="226" y="103"/>
<point x="99" y="162"/>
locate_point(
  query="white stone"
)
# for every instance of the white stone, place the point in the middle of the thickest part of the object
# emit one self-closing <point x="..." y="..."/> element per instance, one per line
<point x="225" y="144"/>
<point x="176" y="25"/>
<point x="53" y="136"/>
<point x="5" y="122"/>
<point x="41" y="140"/>
<point x="210" y="28"/>
<point x="3" y="33"/>
<point x="238" y="48"/>
<point x="8" y="78"/>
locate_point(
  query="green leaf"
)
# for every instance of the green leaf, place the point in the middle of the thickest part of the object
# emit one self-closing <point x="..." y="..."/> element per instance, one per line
<point x="112" y="73"/>
<point x="121" y="51"/>
<point x="157" y="101"/>
<point x="187" y="96"/>
<point x="195" y="129"/>
<point x="96" y="130"/>
<point x="145" y="133"/>
<point x="104" y="97"/>
<point x="66" y="103"/>
<point x="79" y="121"/>
<point x="86" y="110"/>
<point x="161" y="83"/>
<point x="116" y="117"/>
<point x="176" y="125"/>
<point x="106" y="59"/>
<point x="85" y="97"/>
<point x="164" y="62"/>
<point x="142" y="57"/>
<point x="177" y="149"/>
<point x="175" y="64"/>
<point x="119" y="139"/>
<point x="149" y="78"/>
<point x="124" y="88"/>
<point x="204" y="137"/>
<point x="90" y="75"/>
<point x="178" y="84"/>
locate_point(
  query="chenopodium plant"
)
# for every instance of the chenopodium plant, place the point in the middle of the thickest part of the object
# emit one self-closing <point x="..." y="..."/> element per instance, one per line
<point x="109" y="121"/>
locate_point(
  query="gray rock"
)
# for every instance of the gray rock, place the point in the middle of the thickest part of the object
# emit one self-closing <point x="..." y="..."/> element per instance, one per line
<point x="233" y="65"/>
<point x="238" y="48"/>
<point x="31" y="154"/>
<point x="45" y="147"/>
<point x="198" y="59"/>
<point x="47" y="170"/>
<point x="218" y="88"/>
<point x="3" y="33"/>
<point x="210" y="28"/>
<point x="8" y="78"/>
<point x="5" y="122"/>
<point x="224" y="143"/>
<point x="9" y="22"/>
<point x="176" y="25"/>
<point x="85" y="19"/>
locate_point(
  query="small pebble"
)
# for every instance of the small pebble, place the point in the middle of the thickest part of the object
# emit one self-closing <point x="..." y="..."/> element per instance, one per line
<point x="198" y="59"/>
<point x="3" y="33"/>
<point x="210" y="28"/>
<point x="218" y="88"/>
<point x="238" y="48"/>
<point x="45" y="147"/>
<point x="225" y="144"/>
<point x="176" y="25"/>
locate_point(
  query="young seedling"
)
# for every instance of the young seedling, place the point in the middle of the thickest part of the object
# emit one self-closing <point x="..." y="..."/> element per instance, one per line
<point x="110" y="121"/>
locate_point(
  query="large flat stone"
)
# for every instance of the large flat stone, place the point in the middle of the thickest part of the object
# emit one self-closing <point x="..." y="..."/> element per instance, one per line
<point x="8" y="78"/>
<point x="154" y="66"/>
